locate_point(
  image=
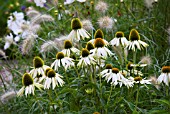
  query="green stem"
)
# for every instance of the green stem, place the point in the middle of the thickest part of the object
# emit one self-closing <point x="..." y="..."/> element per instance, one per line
<point x="167" y="90"/>
<point x="41" y="109"/>
<point x="3" y="83"/>
<point x="51" y="101"/>
<point x="137" y="96"/>
<point x="108" y="100"/>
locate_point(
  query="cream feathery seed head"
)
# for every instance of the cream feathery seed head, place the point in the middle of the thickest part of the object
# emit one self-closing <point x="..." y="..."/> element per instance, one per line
<point x="27" y="45"/>
<point x="154" y="81"/>
<point x="60" y="42"/>
<point x="87" y="25"/>
<point x="2" y="53"/>
<point x="32" y="13"/>
<point x="149" y="3"/>
<point x="42" y="18"/>
<point x="106" y="22"/>
<point x="7" y="96"/>
<point x="101" y="7"/>
<point x="48" y="46"/>
<point x="146" y="60"/>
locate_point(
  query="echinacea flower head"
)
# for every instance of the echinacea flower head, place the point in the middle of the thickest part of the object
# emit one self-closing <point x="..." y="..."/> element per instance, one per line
<point x="28" y="85"/>
<point x="108" y="69"/>
<point x="89" y="46"/>
<point x="119" y="40"/>
<point x="39" y="67"/>
<point x="40" y="2"/>
<point x="77" y="32"/>
<point x="61" y="60"/>
<point x="165" y="75"/>
<point x="52" y="78"/>
<point x="106" y="23"/>
<point x="116" y="77"/>
<point x="101" y="7"/>
<point x="140" y="80"/>
<point x="131" y="69"/>
<point x="100" y="50"/>
<point x="68" y="48"/>
<point x="135" y="41"/>
<point x="99" y="34"/>
<point x="86" y="59"/>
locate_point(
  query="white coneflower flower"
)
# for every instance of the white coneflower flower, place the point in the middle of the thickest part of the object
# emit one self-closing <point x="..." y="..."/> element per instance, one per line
<point x="61" y="60"/>
<point x="15" y="21"/>
<point x="101" y="7"/>
<point x="40" y="2"/>
<point x="116" y="77"/>
<point x="2" y="54"/>
<point x="89" y="46"/>
<point x="165" y="75"/>
<point x="39" y="67"/>
<point x="77" y="32"/>
<point x="9" y="39"/>
<point x="139" y="79"/>
<point x="86" y="59"/>
<point x="135" y="41"/>
<point x="99" y="34"/>
<point x="106" y="23"/>
<point x="68" y="48"/>
<point x="27" y="45"/>
<point x="130" y="68"/>
<point x="7" y="96"/>
<point x="48" y="46"/>
<point x="119" y="40"/>
<point x="28" y="85"/>
<point x="107" y="70"/>
<point x="53" y="78"/>
<point x="87" y="25"/>
<point x="146" y="60"/>
<point x="100" y="50"/>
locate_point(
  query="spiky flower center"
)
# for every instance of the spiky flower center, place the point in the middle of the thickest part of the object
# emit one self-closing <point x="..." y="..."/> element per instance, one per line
<point x="134" y="35"/>
<point x="39" y="75"/>
<point x="46" y="71"/>
<point x="119" y="34"/>
<point x="99" y="34"/>
<point x="38" y="62"/>
<point x="115" y="70"/>
<point x="99" y="42"/>
<point x="67" y="44"/>
<point x="166" y="69"/>
<point x="129" y="67"/>
<point x="76" y="24"/>
<point x="51" y="73"/>
<point x="27" y="79"/>
<point x="89" y="46"/>
<point x="108" y="66"/>
<point x="138" y="78"/>
<point x="60" y="55"/>
<point x="85" y="52"/>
